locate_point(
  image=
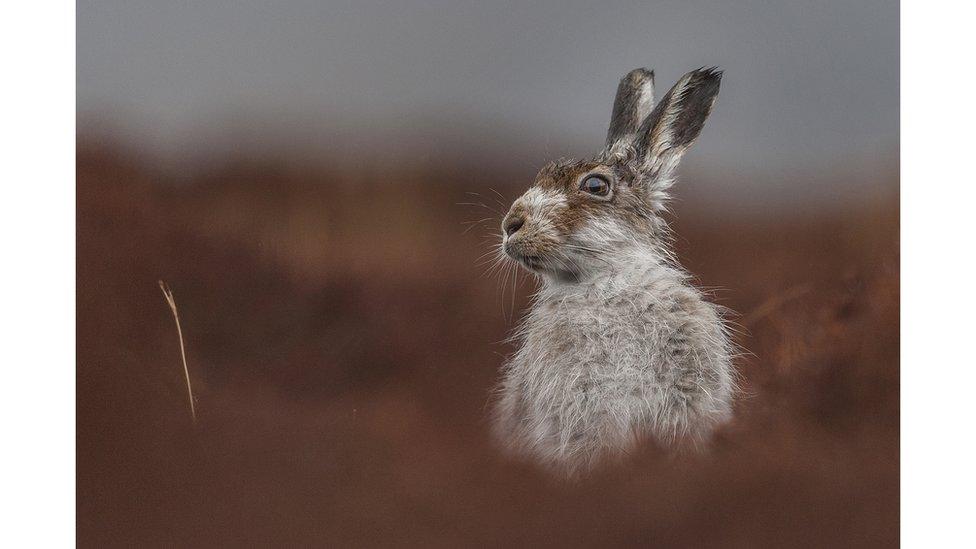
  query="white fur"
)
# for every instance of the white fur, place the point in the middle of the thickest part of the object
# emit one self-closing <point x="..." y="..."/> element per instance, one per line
<point x="646" y="103"/>
<point x="540" y="203"/>
<point x="631" y="353"/>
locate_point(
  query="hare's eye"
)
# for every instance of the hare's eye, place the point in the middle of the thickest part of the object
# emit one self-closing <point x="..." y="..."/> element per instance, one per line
<point x="597" y="185"/>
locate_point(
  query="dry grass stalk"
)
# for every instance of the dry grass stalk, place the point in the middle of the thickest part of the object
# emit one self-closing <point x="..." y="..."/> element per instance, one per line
<point x="168" y="294"/>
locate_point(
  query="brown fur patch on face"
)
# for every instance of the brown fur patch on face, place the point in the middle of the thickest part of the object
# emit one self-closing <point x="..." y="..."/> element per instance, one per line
<point x="625" y="203"/>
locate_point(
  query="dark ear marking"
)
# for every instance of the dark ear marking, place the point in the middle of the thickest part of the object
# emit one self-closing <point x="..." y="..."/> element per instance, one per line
<point x="676" y="121"/>
<point x="634" y="100"/>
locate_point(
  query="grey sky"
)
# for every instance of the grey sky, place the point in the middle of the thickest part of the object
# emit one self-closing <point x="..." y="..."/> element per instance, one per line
<point x="806" y="83"/>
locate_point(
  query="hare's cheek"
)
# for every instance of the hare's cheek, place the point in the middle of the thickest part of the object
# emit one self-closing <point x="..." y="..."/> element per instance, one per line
<point x="600" y="232"/>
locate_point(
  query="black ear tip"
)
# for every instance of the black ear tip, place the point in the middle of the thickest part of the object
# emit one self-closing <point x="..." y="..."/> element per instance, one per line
<point x="709" y="74"/>
<point x="706" y="80"/>
<point x="640" y="75"/>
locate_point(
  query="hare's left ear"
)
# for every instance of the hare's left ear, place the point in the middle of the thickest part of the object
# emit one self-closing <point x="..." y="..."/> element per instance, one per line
<point x="634" y="101"/>
<point x="676" y="121"/>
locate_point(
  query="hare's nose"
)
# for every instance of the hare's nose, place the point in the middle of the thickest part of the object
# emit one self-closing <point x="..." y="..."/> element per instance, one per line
<point x="513" y="224"/>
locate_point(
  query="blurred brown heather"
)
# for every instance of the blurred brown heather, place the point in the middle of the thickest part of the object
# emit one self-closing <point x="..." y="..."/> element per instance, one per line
<point x="343" y="342"/>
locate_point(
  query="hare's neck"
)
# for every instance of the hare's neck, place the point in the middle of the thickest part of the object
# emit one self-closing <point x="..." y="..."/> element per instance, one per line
<point x="632" y="271"/>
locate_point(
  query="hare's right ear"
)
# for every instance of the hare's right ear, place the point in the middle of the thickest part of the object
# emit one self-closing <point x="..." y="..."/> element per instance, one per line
<point x="634" y="101"/>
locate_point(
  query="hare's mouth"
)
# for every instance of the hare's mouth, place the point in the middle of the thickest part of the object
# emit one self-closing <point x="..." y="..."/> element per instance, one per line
<point x="537" y="264"/>
<point x="548" y="266"/>
<point x="533" y="262"/>
<point x="542" y="266"/>
<point x="529" y="256"/>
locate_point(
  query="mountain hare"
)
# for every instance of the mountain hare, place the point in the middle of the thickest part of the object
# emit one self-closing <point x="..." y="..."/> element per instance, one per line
<point x="618" y="345"/>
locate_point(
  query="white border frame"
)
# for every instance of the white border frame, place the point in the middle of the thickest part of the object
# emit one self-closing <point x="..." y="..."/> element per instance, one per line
<point x="37" y="228"/>
<point x="937" y="150"/>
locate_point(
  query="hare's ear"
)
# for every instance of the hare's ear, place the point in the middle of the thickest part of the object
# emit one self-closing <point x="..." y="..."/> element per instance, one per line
<point x="673" y="125"/>
<point x="634" y="101"/>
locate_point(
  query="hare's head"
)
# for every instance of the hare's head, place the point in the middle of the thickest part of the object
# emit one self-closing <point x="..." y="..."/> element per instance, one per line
<point x="582" y="217"/>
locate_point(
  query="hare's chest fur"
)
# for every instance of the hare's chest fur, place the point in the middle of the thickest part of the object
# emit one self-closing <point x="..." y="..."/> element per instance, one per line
<point x="600" y="367"/>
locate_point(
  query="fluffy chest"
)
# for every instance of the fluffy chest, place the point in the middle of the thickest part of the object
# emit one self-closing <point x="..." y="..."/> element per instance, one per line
<point x="581" y="337"/>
